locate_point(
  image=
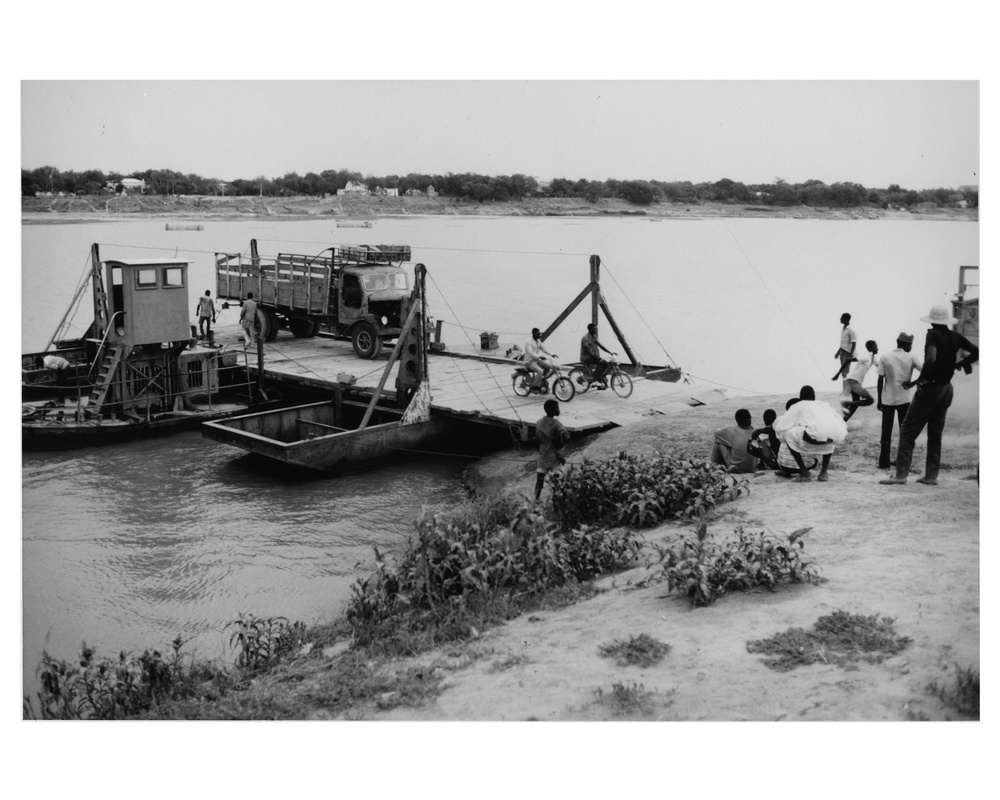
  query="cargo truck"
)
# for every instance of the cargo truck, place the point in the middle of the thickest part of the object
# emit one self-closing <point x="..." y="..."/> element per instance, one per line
<point x="355" y="292"/>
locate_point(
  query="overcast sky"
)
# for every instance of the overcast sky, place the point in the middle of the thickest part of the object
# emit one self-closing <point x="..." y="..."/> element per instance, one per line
<point x="918" y="134"/>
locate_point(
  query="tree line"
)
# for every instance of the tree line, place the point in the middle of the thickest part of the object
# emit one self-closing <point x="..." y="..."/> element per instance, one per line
<point x="481" y="188"/>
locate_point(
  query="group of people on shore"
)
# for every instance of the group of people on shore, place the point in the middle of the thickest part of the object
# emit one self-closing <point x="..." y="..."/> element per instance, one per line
<point x="798" y="441"/>
<point x="808" y="432"/>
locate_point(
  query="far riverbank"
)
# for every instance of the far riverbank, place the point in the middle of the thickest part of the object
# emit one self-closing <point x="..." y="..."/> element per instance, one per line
<point x="42" y="210"/>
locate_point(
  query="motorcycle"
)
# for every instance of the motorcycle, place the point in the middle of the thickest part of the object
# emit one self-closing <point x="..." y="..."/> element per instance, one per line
<point x="562" y="387"/>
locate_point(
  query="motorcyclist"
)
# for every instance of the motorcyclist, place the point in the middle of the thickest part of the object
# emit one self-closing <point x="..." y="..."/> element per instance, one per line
<point x="535" y="361"/>
<point x="590" y="354"/>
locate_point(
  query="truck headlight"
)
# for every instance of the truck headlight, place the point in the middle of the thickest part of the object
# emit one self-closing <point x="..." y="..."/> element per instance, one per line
<point x="385" y="321"/>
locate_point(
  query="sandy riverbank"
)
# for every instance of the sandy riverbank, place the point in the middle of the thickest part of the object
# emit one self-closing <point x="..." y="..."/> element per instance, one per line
<point x="49" y="210"/>
<point x="908" y="552"/>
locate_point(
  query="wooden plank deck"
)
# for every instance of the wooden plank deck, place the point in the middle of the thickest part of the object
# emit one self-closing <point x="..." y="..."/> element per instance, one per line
<point x="462" y="385"/>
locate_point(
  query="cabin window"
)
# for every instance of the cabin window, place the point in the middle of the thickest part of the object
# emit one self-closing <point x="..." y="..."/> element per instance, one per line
<point x="352" y="291"/>
<point x="173" y="276"/>
<point x="145" y="278"/>
<point x="385" y="280"/>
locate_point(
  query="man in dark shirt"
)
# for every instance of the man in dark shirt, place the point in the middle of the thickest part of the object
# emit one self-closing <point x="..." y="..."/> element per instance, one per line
<point x="590" y="353"/>
<point x="934" y="394"/>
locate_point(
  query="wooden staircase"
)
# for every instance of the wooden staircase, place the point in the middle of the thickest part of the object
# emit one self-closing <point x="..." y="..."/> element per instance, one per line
<point x="105" y="378"/>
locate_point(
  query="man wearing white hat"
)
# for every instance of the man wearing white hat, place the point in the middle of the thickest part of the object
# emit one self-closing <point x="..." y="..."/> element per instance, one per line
<point x="893" y="400"/>
<point x="934" y="394"/>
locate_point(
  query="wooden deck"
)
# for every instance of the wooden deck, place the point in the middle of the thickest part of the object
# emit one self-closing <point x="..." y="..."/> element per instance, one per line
<point x="462" y="384"/>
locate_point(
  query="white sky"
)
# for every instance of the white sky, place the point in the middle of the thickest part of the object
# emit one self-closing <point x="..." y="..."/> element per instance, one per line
<point x="919" y="134"/>
<point x="875" y="93"/>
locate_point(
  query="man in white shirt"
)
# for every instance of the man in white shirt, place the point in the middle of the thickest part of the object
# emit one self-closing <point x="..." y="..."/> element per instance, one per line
<point x="534" y="358"/>
<point x="893" y="400"/>
<point x="848" y="343"/>
<point x="860" y="396"/>
<point x="58" y="366"/>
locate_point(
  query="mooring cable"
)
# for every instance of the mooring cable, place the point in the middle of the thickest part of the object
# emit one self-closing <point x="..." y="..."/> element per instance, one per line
<point x="767" y="289"/>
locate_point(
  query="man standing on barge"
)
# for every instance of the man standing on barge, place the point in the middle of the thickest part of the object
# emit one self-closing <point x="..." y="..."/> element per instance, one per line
<point x="248" y="319"/>
<point x="206" y="315"/>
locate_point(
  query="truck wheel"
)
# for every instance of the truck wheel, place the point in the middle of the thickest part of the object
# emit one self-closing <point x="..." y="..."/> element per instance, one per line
<point x="302" y="328"/>
<point x="268" y="324"/>
<point x="366" y="342"/>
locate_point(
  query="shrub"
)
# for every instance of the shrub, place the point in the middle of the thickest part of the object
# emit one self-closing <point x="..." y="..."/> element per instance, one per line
<point x="102" y="688"/>
<point x="260" y="642"/>
<point x="705" y="571"/>
<point x="640" y="491"/>
<point x="963" y="694"/>
<point x="456" y="558"/>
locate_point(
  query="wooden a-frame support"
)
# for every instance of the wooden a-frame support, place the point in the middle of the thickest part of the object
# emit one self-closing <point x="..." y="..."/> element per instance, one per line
<point x="597" y="301"/>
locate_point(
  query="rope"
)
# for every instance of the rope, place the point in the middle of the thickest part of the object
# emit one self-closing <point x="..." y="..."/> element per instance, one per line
<point x="725" y="385"/>
<point x="767" y="289"/>
<point x="465" y="328"/>
<point x="458" y="364"/>
<point x="638" y="314"/>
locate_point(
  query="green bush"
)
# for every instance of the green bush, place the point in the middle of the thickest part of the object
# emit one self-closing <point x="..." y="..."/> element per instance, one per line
<point x="260" y="642"/>
<point x="705" y="571"/>
<point x="640" y="491"/>
<point x="455" y="558"/>
<point x="102" y="688"/>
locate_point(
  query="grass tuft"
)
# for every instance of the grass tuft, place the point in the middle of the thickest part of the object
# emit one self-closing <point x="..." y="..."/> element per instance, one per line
<point x="642" y="651"/>
<point x="839" y="638"/>
<point x="963" y="693"/>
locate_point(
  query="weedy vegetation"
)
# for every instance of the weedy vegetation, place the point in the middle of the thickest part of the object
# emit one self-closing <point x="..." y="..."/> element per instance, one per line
<point x="260" y="642"/>
<point x="460" y="573"/>
<point x="92" y="687"/>
<point x="962" y="694"/>
<point x="625" y="700"/>
<point x="640" y="491"/>
<point x="642" y="651"/>
<point x="703" y="570"/>
<point x="838" y="638"/>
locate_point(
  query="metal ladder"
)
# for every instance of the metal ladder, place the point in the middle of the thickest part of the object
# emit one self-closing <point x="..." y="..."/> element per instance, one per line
<point x="105" y="374"/>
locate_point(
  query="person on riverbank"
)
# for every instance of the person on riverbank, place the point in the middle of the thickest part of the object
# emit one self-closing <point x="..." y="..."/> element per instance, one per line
<point x="590" y="354"/>
<point x="894" y="368"/>
<point x="848" y="343"/>
<point x="534" y="359"/>
<point x="729" y="448"/>
<point x="860" y="396"/>
<point x="206" y="315"/>
<point x="248" y="319"/>
<point x="810" y="429"/>
<point x="934" y="394"/>
<point x="764" y="445"/>
<point x="552" y="435"/>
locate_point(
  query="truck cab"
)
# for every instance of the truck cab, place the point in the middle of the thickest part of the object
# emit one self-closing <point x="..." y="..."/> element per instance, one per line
<point x="372" y="303"/>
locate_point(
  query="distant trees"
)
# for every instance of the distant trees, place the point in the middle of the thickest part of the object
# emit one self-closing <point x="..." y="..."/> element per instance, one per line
<point x="495" y="188"/>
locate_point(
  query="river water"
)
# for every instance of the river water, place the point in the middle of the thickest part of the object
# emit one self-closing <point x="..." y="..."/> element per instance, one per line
<point x="130" y="546"/>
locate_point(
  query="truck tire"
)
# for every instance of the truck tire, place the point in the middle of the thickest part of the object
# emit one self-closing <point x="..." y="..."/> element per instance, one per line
<point x="365" y="340"/>
<point x="302" y="328"/>
<point x="268" y="324"/>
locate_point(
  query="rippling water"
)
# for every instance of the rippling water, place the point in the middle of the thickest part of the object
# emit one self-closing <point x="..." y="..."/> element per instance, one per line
<point x="129" y="546"/>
